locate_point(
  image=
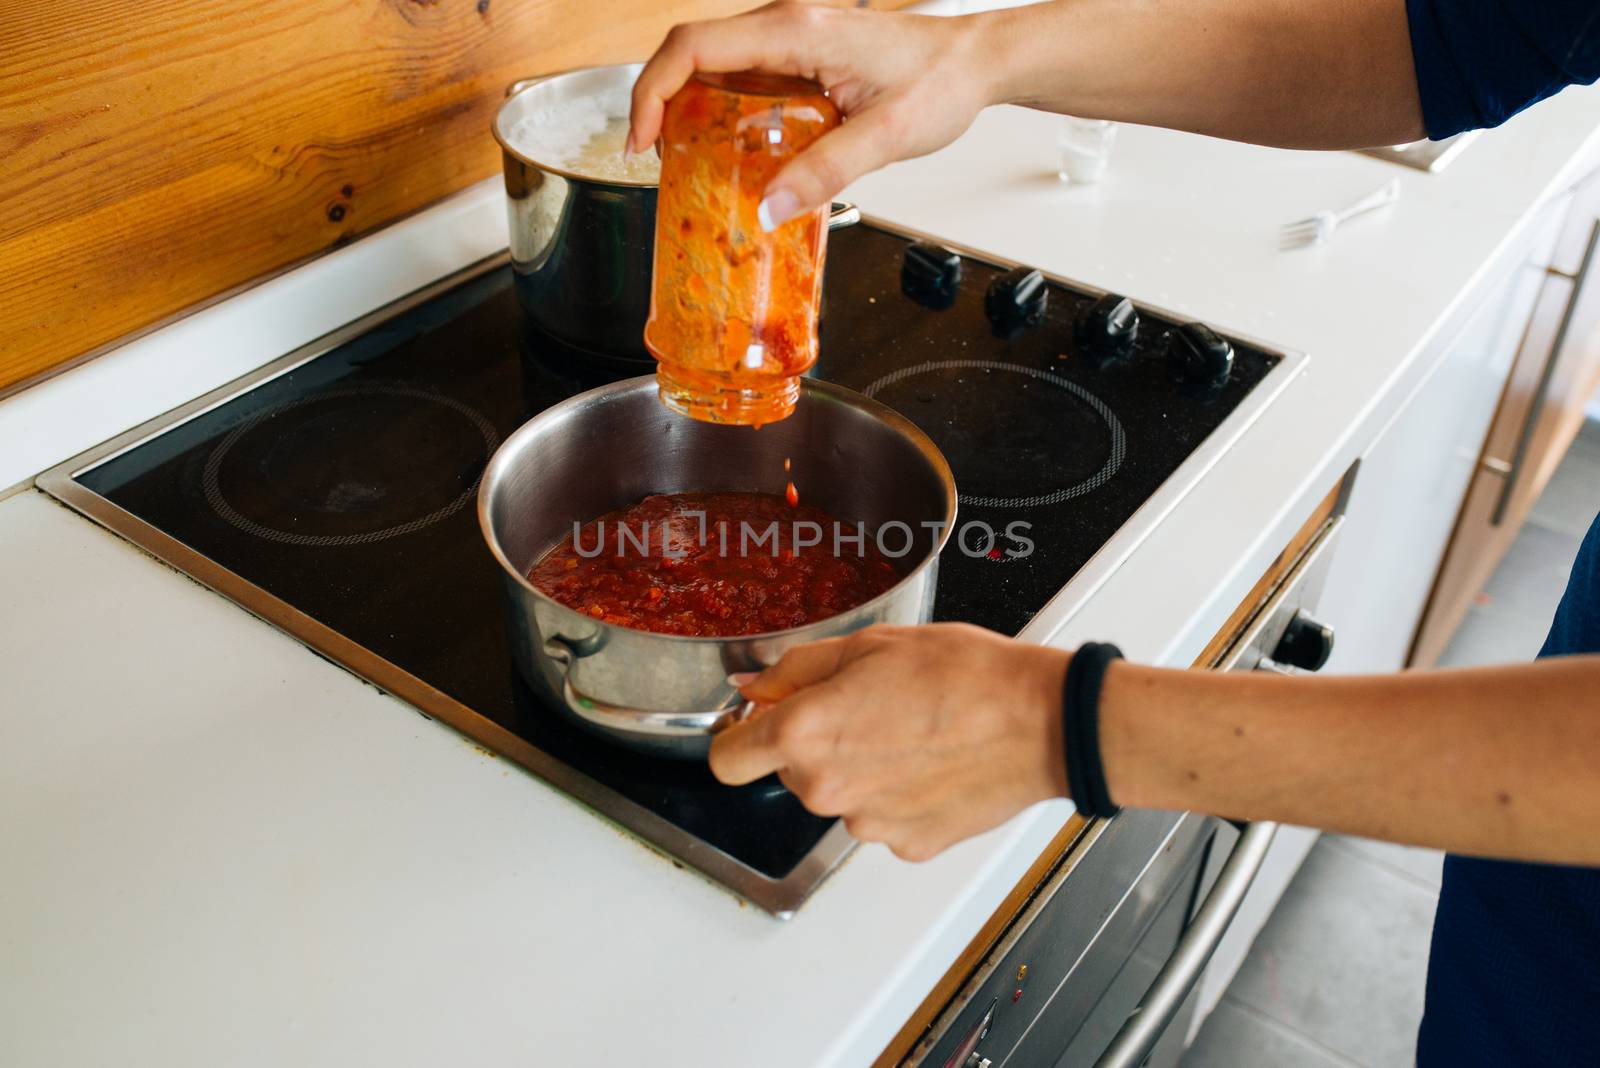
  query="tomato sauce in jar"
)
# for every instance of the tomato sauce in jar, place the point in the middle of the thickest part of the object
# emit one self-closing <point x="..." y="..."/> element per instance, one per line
<point x="715" y="565"/>
<point x="733" y="308"/>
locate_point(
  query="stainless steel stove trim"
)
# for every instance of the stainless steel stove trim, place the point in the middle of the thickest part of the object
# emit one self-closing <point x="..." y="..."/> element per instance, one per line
<point x="781" y="897"/>
<point x="1049" y="620"/>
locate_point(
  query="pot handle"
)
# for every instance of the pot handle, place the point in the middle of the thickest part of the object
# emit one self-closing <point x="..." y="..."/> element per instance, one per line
<point x="522" y="83"/>
<point x="642" y="721"/>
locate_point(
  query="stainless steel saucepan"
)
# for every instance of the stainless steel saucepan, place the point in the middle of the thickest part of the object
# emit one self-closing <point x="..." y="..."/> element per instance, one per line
<point x="582" y="247"/>
<point x="606" y="449"/>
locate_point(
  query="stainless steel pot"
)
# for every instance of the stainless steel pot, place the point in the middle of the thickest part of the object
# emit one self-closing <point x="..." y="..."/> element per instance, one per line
<point x="581" y="248"/>
<point x="605" y="449"/>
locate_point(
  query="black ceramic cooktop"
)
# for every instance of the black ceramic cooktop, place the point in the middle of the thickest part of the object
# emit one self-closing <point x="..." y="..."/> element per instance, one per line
<point x="345" y="487"/>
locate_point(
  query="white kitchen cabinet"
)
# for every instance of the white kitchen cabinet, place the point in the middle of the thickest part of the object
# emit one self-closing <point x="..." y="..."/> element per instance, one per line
<point x="1556" y="373"/>
<point x="1411" y="482"/>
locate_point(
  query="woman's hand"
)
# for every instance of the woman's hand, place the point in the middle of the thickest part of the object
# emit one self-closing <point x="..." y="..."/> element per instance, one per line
<point x="918" y="736"/>
<point x="906" y="84"/>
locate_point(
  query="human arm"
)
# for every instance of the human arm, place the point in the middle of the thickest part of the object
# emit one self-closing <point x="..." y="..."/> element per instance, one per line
<point x="1295" y="73"/>
<point x="1310" y="73"/>
<point x="1495" y="761"/>
<point x="920" y="737"/>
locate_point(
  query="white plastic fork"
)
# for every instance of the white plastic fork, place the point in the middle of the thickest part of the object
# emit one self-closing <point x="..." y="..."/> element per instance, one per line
<point x="1320" y="227"/>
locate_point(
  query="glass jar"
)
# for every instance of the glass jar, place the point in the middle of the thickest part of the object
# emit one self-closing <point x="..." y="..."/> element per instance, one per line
<point x="733" y="309"/>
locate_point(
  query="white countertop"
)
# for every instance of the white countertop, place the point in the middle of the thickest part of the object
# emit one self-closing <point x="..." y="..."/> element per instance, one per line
<point x="222" y="849"/>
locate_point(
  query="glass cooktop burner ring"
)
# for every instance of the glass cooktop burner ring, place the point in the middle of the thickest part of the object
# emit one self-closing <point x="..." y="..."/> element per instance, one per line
<point x="1119" y="439"/>
<point x="210" y="478"/>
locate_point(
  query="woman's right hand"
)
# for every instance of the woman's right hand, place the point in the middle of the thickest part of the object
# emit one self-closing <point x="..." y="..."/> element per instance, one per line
<point x="906" y="84"/>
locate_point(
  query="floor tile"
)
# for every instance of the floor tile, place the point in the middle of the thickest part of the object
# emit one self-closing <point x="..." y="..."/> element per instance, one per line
<point x="1423" y="865"/>
<point x="1572" y="499"/>
<point x="1484" y="638"/>
<point x="1531" y="579"/>
<point x="1236" y="1036"/>
<point x="1344" y="957"/>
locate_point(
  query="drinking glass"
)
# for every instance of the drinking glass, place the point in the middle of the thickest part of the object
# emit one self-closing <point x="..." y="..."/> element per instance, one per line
<point x="1084" y="147"/>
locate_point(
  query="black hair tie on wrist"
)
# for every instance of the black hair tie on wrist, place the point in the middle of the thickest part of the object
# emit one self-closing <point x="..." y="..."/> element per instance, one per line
<point x="1080" y="721"/>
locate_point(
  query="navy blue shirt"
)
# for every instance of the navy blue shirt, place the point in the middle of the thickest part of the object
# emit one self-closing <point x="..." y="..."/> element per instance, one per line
<point x="1514" y="974"/>
<point x="1479" y="62"/>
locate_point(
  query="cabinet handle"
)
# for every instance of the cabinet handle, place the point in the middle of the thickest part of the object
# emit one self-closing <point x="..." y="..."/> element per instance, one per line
<point x="1519" y="456"/>
<point x="1495" y="466"/>
<point x="1145" y="1026"/>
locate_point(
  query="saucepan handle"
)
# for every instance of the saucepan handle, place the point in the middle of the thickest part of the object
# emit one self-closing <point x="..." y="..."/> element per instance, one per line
<point x="625" y="719"/>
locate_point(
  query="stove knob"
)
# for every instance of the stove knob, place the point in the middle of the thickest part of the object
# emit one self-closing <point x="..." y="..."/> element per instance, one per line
<point x="1108" y="329"/>
<point x="1306" y="643"/>
<point x="1015" y="300"/>
<point x="929" y="274"/>
<point x="1197" y="356"/>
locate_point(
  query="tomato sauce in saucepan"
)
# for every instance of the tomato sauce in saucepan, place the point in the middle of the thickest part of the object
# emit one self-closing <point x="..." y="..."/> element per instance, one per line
<point x="715" y="565"/>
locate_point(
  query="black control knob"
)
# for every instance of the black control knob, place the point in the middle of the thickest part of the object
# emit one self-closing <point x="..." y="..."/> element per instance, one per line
<point x="1199" y="357"/>
<point x="1107" y="330"/>
<point x="1015" y="300"/>
<point x="1306" y="643"/>
<point x="930" y="274"/>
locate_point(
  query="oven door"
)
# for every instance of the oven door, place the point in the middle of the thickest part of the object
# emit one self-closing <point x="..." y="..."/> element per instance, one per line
<point x="1129" y="992"/>
<point x="1101" y="965"/>
<point x="1090" y="946"/>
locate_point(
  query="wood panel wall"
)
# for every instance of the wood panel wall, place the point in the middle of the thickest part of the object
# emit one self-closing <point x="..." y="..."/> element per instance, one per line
<point x="154" y="155"/>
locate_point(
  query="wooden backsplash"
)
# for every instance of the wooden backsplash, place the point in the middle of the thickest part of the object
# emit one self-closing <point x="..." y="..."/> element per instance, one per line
<point x="156" y="154"/>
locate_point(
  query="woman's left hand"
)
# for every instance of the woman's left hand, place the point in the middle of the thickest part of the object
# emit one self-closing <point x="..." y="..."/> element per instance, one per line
<point x="917" y="736"/>
<point x="906" y="84"/>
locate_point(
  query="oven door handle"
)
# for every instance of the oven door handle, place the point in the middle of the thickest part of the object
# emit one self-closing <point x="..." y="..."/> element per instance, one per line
<point x="1146" y="1024"/>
